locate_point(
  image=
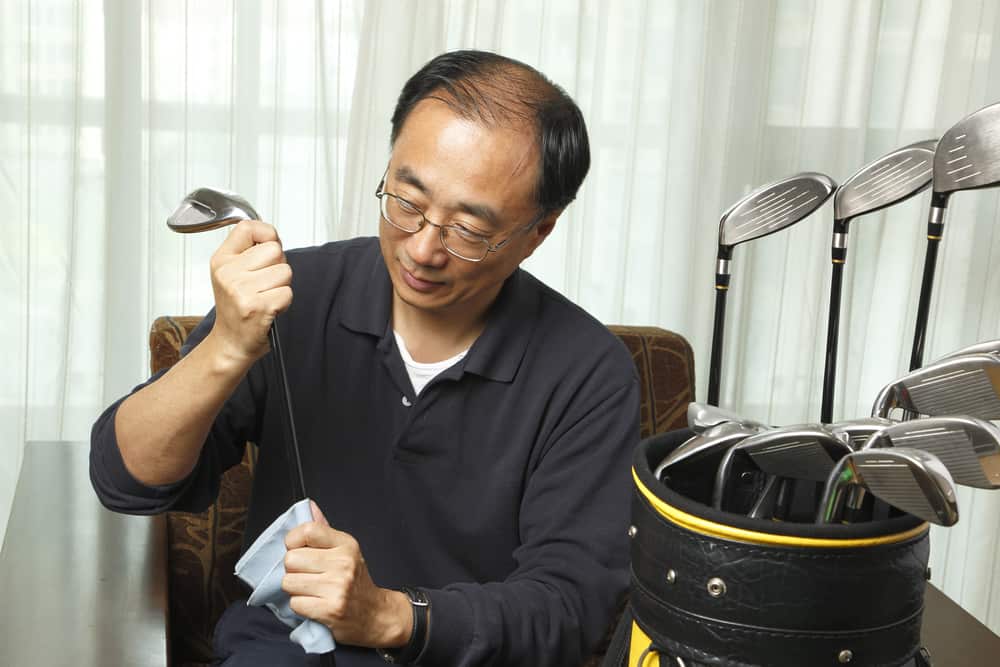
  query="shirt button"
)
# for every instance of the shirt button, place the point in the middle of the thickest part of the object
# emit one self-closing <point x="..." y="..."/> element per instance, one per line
<point x="406" y="402"/>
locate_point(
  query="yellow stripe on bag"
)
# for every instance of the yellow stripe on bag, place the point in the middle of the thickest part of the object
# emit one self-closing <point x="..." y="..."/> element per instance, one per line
<point x="710" y="528"/>
<point x="639" y="654"/>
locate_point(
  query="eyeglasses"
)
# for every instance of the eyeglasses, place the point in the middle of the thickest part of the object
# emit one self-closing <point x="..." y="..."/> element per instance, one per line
<point x="456" y="239"/>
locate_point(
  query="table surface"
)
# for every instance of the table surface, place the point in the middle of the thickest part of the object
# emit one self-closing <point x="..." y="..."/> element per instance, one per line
<point x="81" y="585"/>
<point x="96" y="580"/>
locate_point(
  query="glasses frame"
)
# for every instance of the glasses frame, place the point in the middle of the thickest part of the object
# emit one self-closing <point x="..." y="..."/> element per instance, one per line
<point x="381" y="192"/>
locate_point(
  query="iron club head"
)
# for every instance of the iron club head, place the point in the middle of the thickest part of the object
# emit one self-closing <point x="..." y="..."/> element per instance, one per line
<point x="713" y="440"/>
<point x="968" y="447"/>
<point x="915" y="481"/>
<point x="968" y="385"/>
<point x="702" y="416"/>
<point x="208" y="208"/>
<point x="982" y="347"/>
<point x="807" y="451"/>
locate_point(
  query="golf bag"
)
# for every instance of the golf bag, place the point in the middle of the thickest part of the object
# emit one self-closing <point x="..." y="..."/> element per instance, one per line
<point x="714" y="588"/>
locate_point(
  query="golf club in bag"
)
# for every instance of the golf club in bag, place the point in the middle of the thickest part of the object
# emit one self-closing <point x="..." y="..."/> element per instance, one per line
<point x="967" y="157"/>
<point x="889" y="180"/>
<point x="715" y="588"/>
<point x="766" y="210"/>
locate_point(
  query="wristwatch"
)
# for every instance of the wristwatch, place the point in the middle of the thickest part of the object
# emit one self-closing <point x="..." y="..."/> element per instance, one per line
<point x="421" y="606"/>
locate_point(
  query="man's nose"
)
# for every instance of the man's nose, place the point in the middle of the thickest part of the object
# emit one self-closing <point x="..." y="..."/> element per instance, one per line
<point x="424" y="246"/>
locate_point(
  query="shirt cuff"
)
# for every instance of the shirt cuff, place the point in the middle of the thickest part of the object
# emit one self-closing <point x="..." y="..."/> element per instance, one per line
<point x="450" y="628"/>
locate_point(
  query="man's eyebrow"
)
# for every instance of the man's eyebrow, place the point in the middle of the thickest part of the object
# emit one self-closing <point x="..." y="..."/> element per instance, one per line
<point x="481" y="211"/>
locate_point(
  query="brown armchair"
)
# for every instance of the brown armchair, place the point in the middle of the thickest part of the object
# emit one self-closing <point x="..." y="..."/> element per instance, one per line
<point x="203" y="548"/>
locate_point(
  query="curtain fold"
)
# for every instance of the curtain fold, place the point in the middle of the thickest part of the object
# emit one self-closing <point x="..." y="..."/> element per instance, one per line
<point x="111" y="111"/>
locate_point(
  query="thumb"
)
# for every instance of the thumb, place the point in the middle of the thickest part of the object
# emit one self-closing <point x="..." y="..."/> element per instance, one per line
<point x="317" y="513"/>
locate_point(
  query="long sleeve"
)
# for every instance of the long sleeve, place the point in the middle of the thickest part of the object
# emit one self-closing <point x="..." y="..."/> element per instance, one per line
<point x="237" y="422"/>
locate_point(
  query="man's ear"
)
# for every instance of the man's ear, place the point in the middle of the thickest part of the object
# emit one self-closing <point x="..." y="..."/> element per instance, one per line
<point x="541" y="231"/>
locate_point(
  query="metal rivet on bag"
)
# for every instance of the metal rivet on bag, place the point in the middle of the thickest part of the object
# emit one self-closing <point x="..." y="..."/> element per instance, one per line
<point x="632" y="531"/>
<point x="845" y="656"/>
<point x="716" y="587"/>
<point x="671" y="576"/>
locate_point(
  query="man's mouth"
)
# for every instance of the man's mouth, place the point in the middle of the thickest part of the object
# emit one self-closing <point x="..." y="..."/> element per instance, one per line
<point x="418" y="283"/>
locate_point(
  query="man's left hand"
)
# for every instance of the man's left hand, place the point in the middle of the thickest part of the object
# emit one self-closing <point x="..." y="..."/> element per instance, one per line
<point x="328" y="581"/>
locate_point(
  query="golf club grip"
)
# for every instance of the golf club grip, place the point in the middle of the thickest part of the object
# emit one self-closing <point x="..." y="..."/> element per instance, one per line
<point x="292" y="444"/>
<point x="924" y="304"/>
<point x="718" y="330"/>
<point x="832" y="337"/>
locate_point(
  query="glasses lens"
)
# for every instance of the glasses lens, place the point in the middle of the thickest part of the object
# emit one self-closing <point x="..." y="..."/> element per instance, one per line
<point x="400" y="213"/>
<point x="464" y="244"/>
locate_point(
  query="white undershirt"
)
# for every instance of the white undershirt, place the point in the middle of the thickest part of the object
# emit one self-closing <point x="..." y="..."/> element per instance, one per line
<point x="420" y="373"/>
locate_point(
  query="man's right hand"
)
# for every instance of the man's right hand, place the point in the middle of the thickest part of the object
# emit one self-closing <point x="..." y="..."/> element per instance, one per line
<point x="252" y="284"/>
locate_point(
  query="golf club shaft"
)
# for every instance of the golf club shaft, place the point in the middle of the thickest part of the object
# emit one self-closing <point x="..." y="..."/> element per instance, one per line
<point x="292" y="443"/>
<point x="719" y="328"/>
<point x="935" y="230"/>
<point x="832" y="336"/>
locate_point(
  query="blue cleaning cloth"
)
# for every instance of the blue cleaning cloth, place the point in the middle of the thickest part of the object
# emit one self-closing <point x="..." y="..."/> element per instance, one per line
<point x="263" y="566"/>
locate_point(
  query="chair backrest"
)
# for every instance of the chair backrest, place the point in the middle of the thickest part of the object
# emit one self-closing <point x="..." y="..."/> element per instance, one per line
<point x="203" y="548"/>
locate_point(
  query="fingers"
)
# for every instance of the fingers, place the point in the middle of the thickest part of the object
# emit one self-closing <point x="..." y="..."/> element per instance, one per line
<point x="246" y="235"/>
<point x="317" y="513"/>
<point x="315" y="534"/>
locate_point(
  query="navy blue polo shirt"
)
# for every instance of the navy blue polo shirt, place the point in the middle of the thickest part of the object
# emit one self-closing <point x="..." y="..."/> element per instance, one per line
<point x="502" y="489"/>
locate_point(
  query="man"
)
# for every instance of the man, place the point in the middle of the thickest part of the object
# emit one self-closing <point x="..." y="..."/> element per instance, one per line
<point x="465" y="430"/>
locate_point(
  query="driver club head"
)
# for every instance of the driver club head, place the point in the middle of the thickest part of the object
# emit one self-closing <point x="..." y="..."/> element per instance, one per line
<point x="968" y="447"/>
<point x="207" y="208"/>
<point x="968" y="154"/>
<point x="773" y="207"/>
<point x="912" y="480"/>
<point x="888" y="180"/>
<point x="968" y="385"/>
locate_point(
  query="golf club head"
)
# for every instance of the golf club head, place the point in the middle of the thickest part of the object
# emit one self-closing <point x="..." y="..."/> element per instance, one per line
<point x="773" y="207"/>
<point x="888" y="180"/>
<point x="983" y="347"/>
<point x="713" y="440"/>
<point x="968" y="154"/>
<point x="858" y="431"/>
<point x="968" y="447"/>
<point x="702" y="416"/>
<point x="968" y="385"/>
<point x="804" y="451"/>
<point x="208" y="208"/>
<point x="912" y="480"/>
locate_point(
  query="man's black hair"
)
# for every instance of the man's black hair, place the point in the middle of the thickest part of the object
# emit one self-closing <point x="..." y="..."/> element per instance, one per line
<point x="493" y="90"/>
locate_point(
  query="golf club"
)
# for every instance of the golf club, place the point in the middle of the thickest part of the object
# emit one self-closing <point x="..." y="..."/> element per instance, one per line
<point x="968" y="385"/>
<point x="806" y="451"/>
<point x="889" y="180"/>
<point x="701" y="417"/>
<point x="766" y="210"/>
<point x="968" y="447"/>
<point x="983" y="347"/>
<point x="909" y="479"/>
<point x="711" y="441"/>
<point x="206" y="209"/>
<point x="967" y="157"/>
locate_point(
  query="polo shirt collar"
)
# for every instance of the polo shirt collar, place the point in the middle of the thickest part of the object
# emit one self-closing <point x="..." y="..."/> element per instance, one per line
<point x="496" y="354"/>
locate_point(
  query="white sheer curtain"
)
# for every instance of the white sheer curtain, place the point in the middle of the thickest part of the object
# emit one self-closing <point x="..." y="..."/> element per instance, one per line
<point x="110" y="112"/>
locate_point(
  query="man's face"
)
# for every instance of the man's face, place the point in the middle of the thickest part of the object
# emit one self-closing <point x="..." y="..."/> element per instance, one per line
<point x="459" y="172"/>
